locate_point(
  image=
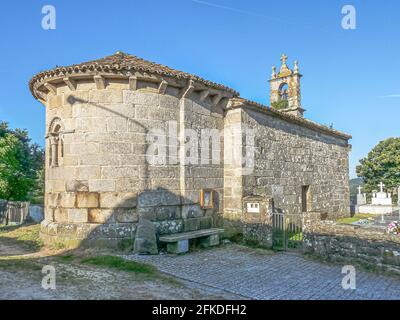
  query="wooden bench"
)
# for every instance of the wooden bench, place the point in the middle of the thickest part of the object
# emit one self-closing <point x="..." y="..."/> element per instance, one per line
<point x="179" y="242"/>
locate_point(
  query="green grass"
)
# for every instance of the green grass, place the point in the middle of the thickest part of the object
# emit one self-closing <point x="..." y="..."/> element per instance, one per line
<point x="121" y="264"/>
<point x="355" y="218"/>
<point x="67" y="257"/>
<point x="26" y="235"/>
<point x="17" y="264"/>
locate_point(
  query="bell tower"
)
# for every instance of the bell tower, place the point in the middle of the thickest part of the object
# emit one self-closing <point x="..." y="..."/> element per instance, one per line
<point x="285" y="94"/>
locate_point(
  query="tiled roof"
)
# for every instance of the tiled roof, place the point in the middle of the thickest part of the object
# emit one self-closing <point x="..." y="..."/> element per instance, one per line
<point x="120" y="62"/>
<point x="241" y="102"/>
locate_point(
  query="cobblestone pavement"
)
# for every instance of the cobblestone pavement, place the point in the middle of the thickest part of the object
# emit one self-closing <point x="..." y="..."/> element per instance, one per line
<point x="257" y="274"/>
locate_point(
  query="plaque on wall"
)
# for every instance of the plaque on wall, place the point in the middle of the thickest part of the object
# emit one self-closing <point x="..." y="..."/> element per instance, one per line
<point x="253" y="207"/>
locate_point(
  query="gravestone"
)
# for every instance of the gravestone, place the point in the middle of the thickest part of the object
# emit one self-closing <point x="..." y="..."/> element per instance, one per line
<point x="361" y="197"/>
<point x="360" y="200"/>
<point x="381" y="203"/>
<point x="382" y="198"/>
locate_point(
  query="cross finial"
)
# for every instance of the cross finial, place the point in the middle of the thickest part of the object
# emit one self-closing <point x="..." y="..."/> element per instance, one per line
<point x="273" y="75"/>
<point x="359" y="189"/>
<point x="284" y="58"/>
<point x="381" y="185"/>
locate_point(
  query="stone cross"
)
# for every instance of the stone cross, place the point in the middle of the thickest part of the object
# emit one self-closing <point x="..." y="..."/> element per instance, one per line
<point x="359" y="189"/>
<point x="273" y="75"/>
<point x="284" y="58"/>
<point x="381" y="185"/>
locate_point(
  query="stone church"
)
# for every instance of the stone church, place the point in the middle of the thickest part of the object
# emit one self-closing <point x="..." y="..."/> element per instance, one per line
<point x="100" y="181"/>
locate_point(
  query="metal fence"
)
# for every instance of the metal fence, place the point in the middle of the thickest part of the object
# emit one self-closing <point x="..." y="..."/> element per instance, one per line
<point x="12" y="213"/>
<point x="287" y="231"/>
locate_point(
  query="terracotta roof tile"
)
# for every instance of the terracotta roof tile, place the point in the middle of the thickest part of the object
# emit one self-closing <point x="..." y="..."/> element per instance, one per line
<point x="120" y="62"/>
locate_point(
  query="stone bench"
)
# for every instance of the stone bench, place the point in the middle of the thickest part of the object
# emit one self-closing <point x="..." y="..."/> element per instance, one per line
<point x="179" y="242"/>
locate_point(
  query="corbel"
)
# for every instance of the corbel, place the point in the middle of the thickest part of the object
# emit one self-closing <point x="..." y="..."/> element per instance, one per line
<point x="204" y="94"/>
<point x="100" y="82"/>
<point x="162" y="87"/>
<point x="188" y="90"/>
<point x="70" y="83"/>
<point x="216" y="99"/>
<point x="51" y="88"/>
<point x="133" y="82"/>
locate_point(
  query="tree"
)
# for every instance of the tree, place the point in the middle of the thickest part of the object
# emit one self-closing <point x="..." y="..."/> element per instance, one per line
<point x="381" y="164"/>
<point x="20" y="163"/>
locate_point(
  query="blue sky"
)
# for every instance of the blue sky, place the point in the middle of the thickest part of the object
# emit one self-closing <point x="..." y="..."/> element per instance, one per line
<point x="351" y="77"/>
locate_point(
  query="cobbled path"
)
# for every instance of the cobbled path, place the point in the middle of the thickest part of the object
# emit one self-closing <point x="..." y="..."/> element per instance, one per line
<point x="257" y="274"/>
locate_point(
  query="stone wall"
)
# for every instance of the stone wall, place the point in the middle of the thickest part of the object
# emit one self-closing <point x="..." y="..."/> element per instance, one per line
<point x="105" y="179"/>
<point x="347" y="244"/>
<point x="289" y="156"/>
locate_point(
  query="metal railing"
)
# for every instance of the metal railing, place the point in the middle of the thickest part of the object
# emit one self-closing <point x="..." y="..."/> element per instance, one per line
<point x="287" y="231"/>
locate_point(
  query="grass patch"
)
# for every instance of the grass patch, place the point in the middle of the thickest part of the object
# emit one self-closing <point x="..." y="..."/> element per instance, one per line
<point x="121" y="265"/>
<point x="12" y="264"/>
<point x="67" y="257"/>
<point x="26" y="235"/>
<point x="355" y="218"/>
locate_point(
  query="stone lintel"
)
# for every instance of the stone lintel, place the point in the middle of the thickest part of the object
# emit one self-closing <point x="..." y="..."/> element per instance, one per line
<point x="100" y="82"/>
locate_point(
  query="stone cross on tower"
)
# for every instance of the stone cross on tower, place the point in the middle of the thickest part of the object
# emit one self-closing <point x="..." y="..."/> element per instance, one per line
<point x="284" y="58"/>
<point x="359" y="189"/>
<point x="381" y="185"/>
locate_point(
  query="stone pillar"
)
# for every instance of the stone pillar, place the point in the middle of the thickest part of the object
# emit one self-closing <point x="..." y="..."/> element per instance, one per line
<point x="54" y="151"/>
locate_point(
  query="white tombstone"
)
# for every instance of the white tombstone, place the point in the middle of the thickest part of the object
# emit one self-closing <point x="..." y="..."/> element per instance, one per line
<point x="381" y="198"/>
<point x="381" y="203"/>
<point x="361" y="198"/>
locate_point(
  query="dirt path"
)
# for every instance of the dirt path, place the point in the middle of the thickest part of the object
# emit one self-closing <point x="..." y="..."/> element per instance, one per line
<point x="21" y="277"/>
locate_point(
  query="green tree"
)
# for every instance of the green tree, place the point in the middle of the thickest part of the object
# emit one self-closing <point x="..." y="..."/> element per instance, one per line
<point x="20" y="164"/>
<point x="381" y="164"/>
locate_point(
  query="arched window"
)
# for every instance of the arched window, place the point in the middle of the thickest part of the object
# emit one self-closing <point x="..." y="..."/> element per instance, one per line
<point x="283" y="91"/>
<point x="56" y="144"/>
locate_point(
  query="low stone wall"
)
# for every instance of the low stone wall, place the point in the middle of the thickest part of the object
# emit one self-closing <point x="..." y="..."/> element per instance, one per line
<point x="257" y="234"/>
<point x="368" y="247"/>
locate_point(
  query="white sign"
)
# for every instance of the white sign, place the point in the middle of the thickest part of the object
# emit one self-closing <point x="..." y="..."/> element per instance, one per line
<point x="253" y="207"/>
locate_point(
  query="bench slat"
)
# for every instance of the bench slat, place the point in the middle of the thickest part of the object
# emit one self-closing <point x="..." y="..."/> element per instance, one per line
<point x="190" y="235"/>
